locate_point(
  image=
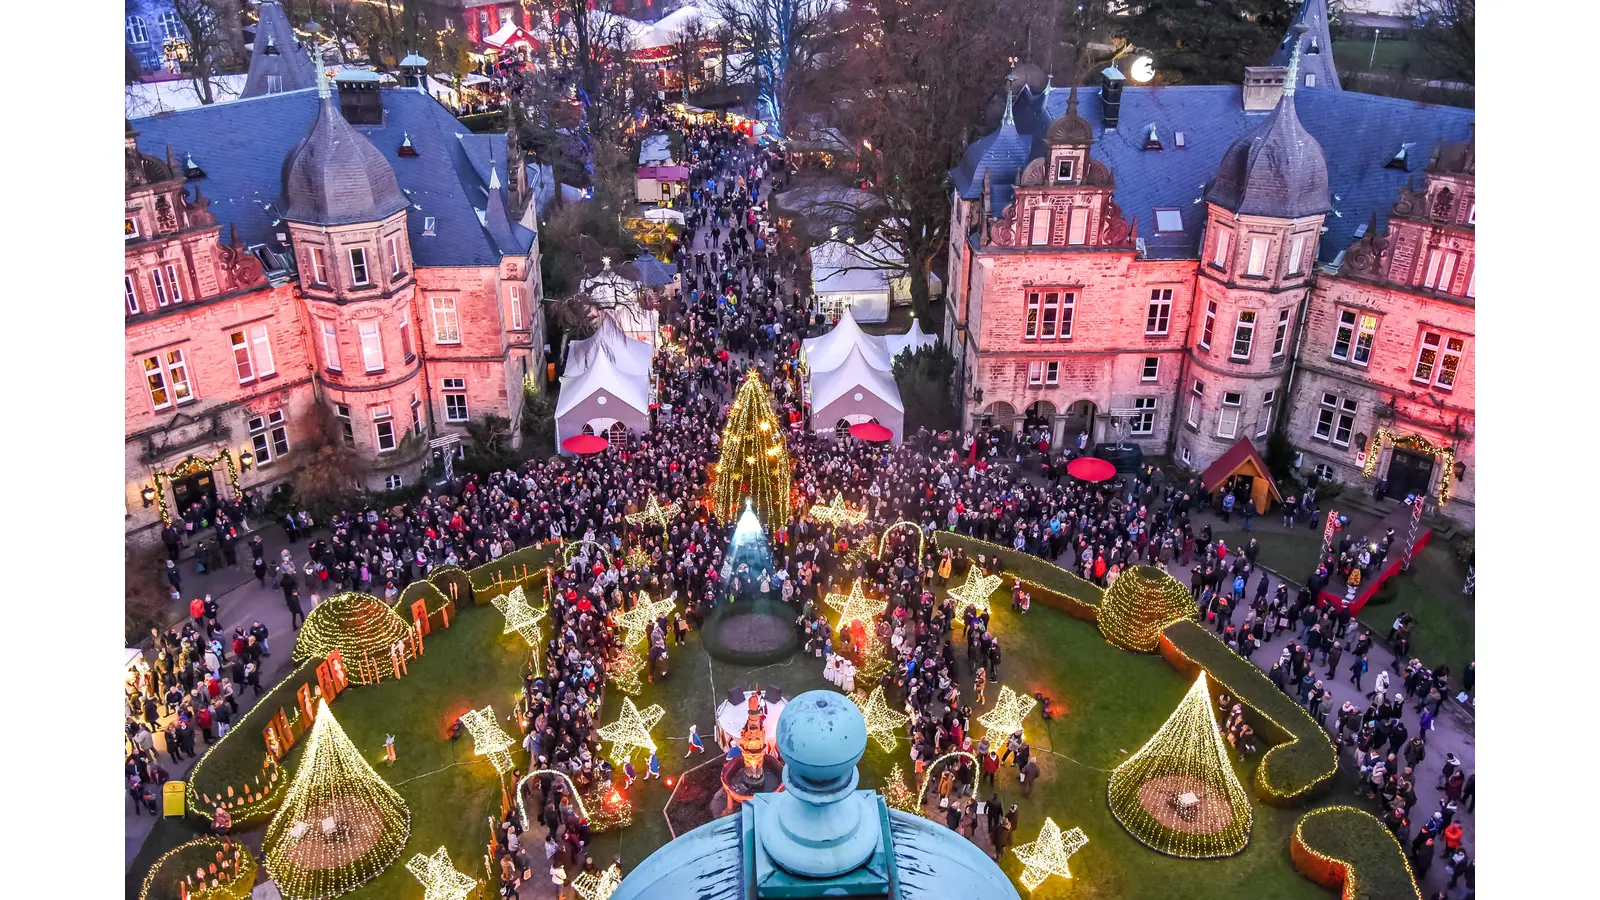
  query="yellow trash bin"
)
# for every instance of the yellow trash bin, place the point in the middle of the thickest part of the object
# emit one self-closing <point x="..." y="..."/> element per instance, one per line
<point x="172" y="798"/>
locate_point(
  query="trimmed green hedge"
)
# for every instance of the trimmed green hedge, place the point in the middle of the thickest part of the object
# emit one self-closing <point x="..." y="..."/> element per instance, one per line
<point x="179" y="863"/>
<point x="1302" y="757"/>
<point x="236" y="758"/>
<point x="1348" y="848"/>
<point x="1026" y="566"/>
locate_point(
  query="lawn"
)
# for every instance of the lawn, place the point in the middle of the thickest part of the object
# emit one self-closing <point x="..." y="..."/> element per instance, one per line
<point x="1353" y="55"/>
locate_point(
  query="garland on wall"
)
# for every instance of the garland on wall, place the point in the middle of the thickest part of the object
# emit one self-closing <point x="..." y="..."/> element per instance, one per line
<point x="191" y="465"/>
<point x="1421" y="445"/>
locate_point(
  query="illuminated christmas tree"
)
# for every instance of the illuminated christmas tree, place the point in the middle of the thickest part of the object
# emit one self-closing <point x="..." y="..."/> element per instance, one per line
<point x="899" y="795"/>
<point x="1140" y="605"/>
<point x="754" y="460"/>
<point x="1179" y="794"/>
<point x="340" y="824"/>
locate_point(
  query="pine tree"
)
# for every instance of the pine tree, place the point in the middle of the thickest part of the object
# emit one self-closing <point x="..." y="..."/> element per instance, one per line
<point x="1208" y="41"/>
<point x="754" y="460"/>
<point x="370" y="821"/>
<point x="898" y="795"/>
<point x="1187" y="755"/>
<point x="1140" y="605"/>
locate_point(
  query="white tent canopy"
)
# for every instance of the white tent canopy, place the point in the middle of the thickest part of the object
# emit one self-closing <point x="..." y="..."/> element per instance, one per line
<point x="631" y="357"/>
<point x="845" y="276"/>
<point x="623" y="298"/>
<point x="848" y="378"/>
<point x="604" y="373"/>
<point x="821" y="354"/>
<point x="662" y="214"/>
<point x="855" y="371"/>
<point x="909" y="341"/>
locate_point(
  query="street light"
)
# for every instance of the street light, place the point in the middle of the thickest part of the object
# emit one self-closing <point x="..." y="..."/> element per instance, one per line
<point x="149" y="495"/>
<point x="246" y="459"/>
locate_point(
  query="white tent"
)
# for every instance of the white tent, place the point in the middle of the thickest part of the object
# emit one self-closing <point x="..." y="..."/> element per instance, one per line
<point x="909" y="341"/>
<point x="631" y="357"/>
<point x="662" y="214"/>
<point x="848" y="380"/>
<point x="606" y="387"/>
<point x="821" y="354"/>
<point x="843" y="278"/>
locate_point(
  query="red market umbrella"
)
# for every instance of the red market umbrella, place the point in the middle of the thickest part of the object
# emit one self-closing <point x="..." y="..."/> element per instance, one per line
<point x="871" y="431"/>
<point x="585" y="444"/>
<point x="1088" y="468"/>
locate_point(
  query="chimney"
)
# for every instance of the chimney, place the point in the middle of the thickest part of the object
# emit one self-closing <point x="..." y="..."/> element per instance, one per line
<point x="359" y="100"/>
<point x="1263" y="86"/>
<point x="1111" y="80"/>
<point x="414" y="71"/>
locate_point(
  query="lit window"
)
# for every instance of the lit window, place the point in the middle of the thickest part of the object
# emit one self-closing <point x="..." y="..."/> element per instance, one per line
<point x="1152" y="368"/>
<point x="1280" y="337"/>
<point x="174" y="287"/>
<point x="1439" y="360"/>
<point x="167" y="377"/>
<point x="1257" y="264"/>
<point x="130" y="292"/>
<point x="130" y="228"/>
<point x="1196" y="399"/>
<point x="446" y="329"/>
<point x="1352" y="341"/>
<point x="1168" y="220"/>
<point x="1219" y="255"/>
<point x="383" y="427"/>
<point x="1210" y="326"/>
<point x="1244" y="333"/>
<point x="1159" y="317"/>
<point x="1078" y="226"/>
<point x="455" y="400"/>
<point x="330" y="347"/>
<point x="358" y="267"/>
<point x="1228" y="419"/>
<point x="1039" y="232"/>
<point x="1264" y="424"/>
<point x="1144" y="417"/>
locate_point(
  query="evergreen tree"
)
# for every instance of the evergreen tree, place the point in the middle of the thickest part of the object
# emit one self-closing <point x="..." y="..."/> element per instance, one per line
<point x="924" y="380"/>
<point x="754" y="458"/>
<point x="898" y="795"/>
<point x="1208" y="41"/>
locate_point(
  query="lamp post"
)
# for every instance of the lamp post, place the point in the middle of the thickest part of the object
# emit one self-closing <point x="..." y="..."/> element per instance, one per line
<point x="1374" y="58"/>
<point x="148" y="495"/>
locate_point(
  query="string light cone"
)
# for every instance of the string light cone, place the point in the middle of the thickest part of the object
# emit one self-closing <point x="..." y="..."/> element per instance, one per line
<point x="625" y="671"/>
<point x="488" y="738"/>
<point x="636" y="622"/>
<point x="1048" y="854"/>
<point x="340" y="824"/>
<point x="521" y="617"/>
<point x="655" y="514"/>
<point x="598" y="887"/>
<point x="440" y="880"/>
<point x="975" y="591"/>
<point x="753" y="460"/>
<point x="1005" y="719"/>
<point x="855" y="606"/>
<point x="837" y="513"/>
<point x="630" y="733"/>
<point x="357" y="625"/>
<point x="898" y="794"/>
<point x="1179" y="794"/>
<point x="1140" y="605"/>
<point x="883" y="723"/>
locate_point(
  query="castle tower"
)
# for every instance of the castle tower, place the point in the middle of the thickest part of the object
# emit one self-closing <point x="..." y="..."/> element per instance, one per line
<point x="1264" y="216"/>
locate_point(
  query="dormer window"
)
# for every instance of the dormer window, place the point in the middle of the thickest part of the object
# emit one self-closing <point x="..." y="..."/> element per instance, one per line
<point x="1311" y="78"/>
<point x="319" y="266"/>
<point x="274" y="84"/>
<point x="428" y="223"/>
<point x="1168" y="221"/>
<point x="1064" y="169"/>
<point x="358" y="267"/>
<point x="130" y="228"/>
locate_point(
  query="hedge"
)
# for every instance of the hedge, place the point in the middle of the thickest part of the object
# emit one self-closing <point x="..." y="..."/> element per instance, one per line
<point x="181" y="862"/>
<point x="1341" y="847"/>
<point x="221" y="765"/>
<point x="1302" y="758"/>
<point x="1061" y="589"/>
<point x="490" y="580"/>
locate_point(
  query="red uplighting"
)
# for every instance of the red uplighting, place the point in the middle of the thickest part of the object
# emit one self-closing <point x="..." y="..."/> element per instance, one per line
<point x="669" y="782"/>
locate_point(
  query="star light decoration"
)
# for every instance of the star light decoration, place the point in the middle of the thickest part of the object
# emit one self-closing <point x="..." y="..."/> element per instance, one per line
<point x="1048" y="855"/>
<point x="1005" y="719"/>
<point x="655" y="514"/>
<point x="975" y="592"/>
<point x="598" y="887"/>
<point x="488" y="738"/>
<point x="521" y="617"/>
<point x="631" y="731"/>
<point x="440" y="880"/>
<point x="855" y="606"/>
<point x="837" y="513"/>
<point x="636" y="622"/>
<point x="882" y="722"/>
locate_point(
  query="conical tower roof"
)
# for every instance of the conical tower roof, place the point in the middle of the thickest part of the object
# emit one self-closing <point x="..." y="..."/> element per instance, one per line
<point x="1140" y="605"/>
<point x="340" y="824"/>
<point x="1179" y="794"/>
<point x="277" y="64"/>
<point x="336" y="176"/>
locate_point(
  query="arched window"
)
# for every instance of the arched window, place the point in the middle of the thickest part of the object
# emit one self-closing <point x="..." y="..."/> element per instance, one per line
<point x="587" y="429"/>
<point x="172" y="26"/>
<point x="841" y="430"/>
<point x="136" y="32"/>
<point x="617" y="434"/>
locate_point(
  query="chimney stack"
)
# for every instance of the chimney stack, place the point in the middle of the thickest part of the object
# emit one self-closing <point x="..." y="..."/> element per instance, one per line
<point x="1111" y="81"/>
<point x="1263" y="86"/>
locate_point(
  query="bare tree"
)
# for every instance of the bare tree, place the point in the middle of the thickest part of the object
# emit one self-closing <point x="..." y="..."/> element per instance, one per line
<point x="687" y="45"/>
<point x="773" y="44"/>
<point x="1446" y="30"/>
<point x="208" y="46"/>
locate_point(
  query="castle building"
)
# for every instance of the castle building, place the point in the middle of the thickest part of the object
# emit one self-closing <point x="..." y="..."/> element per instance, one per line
<point x="308" y="262"/>
<point x="1184" y="267"/>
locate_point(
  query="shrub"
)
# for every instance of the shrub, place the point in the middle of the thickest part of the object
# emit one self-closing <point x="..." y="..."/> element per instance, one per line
<point x="238" y="870"/>
<point x="1344" y="847"/>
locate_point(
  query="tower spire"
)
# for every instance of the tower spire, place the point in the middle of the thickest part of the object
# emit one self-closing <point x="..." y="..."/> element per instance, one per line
<point x="1299" y="30"/>
<point x="1009" y="117"/>
<point x="322" y="71"/>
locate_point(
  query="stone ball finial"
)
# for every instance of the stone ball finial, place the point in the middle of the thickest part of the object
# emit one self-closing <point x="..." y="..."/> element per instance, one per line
<point x="821" y="737"/>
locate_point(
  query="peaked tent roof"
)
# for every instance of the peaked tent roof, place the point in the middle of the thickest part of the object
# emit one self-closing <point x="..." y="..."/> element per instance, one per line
<point x="911" y="340"/>
<point x="605" y="373"/>
<point x="829" y="351"/>
<point x="628" y="355"/>
<point x="852" y="372"/>
<point x="277" y="53"/>
<point x="1316" y="51"/>
<point x="1229" y="463"/>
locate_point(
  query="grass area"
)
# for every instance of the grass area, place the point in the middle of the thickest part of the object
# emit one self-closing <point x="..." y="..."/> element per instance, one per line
<point x="1356" y="55"/>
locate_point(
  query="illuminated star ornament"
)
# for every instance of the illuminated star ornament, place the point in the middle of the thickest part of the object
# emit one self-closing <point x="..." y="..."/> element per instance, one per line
<point x="631" y="731"/>
<point x="598" y="887"/>
<point x="637" y="559"/>
<point x="1048" y="855"/>
<point x="655" y="514"/>
<point x="975" y="592"/>
<point x="882" y="722"/>
<point x="636" y="622"/>
<point x="855" y="606"/>
<point x="520" y="616"/>
<point x="440" y="880"/>
<point x="837" y="513"/>
<point x="1010" y="708"/>
<point x="488" y="738"/>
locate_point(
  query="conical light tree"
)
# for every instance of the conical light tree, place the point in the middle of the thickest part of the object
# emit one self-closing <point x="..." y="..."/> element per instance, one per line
<point x="1140" y="605"/>
<point x="340" y="824"/>
<point x="1179" y="794"/>
<point x="754" y="459"/>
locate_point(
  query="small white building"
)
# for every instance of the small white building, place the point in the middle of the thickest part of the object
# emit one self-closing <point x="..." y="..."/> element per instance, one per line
<point x="606" y="388"/>
<point x="862" y="279"/>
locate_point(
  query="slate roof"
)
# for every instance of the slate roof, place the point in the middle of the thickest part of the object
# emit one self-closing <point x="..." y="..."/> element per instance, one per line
<point x="290" y="61"/>
<point x="1316" y="50"/>
<point x="242" y="146"/>
<point x="1358" y="133"/>
<point x="1278" y="170"/>
<point x="336" y="176"/>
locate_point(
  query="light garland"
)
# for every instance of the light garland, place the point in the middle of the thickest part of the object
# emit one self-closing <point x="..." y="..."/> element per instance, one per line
<point x="1447" y="454"/>
<point x="855" y="607"/>
<point x="655" y="514"/>
<point x="440" y="880"/>
<point x="1140" y="605"/>
<point x="630" y="733"/>
<point x="623" y="670"/>
<point x="1351" y="888"/>
<point x="898" y="796"/>
<point x="247" y="804"/>
<point x="228" y="873"/>
<point x="361" y="627"/>
<point x="603" y="813"/>
<point x="571" y="550"/>
<point x="637" y="559"/>
<point x="340" y="824"/>
<point x="883" y="723"/>
<point x="837" y="513"/>
<point x="922" y="539"/>
<point x="927" y="773"/>
<point x="975" y="592"/>
<point x="598" y="887"/>
<point x="865" y="548"/>
<point x="1048" y="854"/>
<point x="521" y="617"/>
<point x="488" y="738"/>
<point x="191" y="465"/>
<point x="753" y="459"/>
<point x="1183" y="771"/>
<point x="1005" y="719"/>
<point x="636" y="622"/>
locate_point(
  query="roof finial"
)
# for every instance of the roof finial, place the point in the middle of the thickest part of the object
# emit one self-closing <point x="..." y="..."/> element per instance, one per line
<point x="1008" y="117"/>
<point x="1299" y="29"/>
<point x="1049" y="86"/>
<point x="1072" y="101"/>
<point x="322" y="71"/>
